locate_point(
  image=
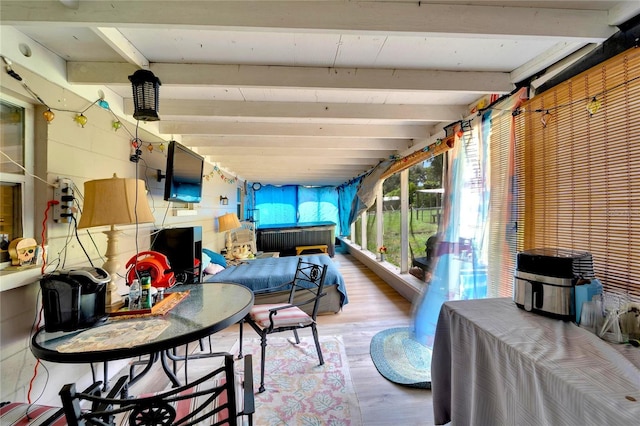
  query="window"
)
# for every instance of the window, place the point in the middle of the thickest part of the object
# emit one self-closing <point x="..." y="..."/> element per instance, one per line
<point x="16" y="186"/>
<point x="391" y="218"/>
<point x="356" y="237"/>
<point x="372" y="230"/>
<point x="425" y="203"/>
<point x="425" y="209"/>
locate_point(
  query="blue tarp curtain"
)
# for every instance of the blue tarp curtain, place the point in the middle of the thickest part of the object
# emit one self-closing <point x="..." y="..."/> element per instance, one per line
<point x="297" y="204"/>
<point x="300" y="204"/>
<point x="318" y="205"/>
<point x="277" y="204"/>
<point x="347" y="202"/>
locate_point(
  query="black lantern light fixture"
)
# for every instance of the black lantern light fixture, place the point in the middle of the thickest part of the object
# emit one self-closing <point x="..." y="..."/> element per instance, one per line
<point x="146" y="87"/>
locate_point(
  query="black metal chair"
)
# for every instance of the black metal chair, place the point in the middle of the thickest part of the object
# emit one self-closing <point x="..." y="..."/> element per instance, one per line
<point x="210" y="400"/>
<point x="305" y="292"/>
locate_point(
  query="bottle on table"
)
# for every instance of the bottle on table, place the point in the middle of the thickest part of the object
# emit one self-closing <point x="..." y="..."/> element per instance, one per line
<point x="145" y="298"/>
<point x="134" y="295"/>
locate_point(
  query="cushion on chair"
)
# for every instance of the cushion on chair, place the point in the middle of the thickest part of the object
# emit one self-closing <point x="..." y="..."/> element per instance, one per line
<point x="13" y="414"/>
<point x="284" y="318"/>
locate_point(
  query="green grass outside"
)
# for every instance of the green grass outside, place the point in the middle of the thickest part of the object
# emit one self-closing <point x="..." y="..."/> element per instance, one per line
<point x="420" y="229"/>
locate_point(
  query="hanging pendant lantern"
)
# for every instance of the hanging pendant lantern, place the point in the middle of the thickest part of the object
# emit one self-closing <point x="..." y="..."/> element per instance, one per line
<point x="146" y="87"/>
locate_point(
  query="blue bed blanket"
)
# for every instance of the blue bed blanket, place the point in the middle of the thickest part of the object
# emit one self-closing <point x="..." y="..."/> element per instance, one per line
<point x="267" y="273"/>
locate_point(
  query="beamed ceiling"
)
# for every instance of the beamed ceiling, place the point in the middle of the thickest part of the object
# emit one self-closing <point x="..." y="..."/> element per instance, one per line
<point x="309" y="92"/>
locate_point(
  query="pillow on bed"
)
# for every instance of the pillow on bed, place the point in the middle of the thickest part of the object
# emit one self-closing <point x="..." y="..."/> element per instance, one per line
<point x="206" y="260"/>
<point x="213" y="269"/>
<point x="216" y="258"/>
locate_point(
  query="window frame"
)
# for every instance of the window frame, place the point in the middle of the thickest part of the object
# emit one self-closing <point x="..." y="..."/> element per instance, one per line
<point x="25" y="180"/>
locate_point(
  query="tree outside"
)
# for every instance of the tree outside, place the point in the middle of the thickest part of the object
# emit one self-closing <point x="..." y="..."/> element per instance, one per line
<point x="425" y="207"/>
<point x="424" y="210"/>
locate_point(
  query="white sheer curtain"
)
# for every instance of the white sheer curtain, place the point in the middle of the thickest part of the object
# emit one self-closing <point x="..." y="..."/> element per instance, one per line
<point x="474" y="221"/>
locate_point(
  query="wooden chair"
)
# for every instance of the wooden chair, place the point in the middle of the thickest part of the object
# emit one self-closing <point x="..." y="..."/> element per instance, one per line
<point x="211" y="400"/>
<point x="274" y="318"/>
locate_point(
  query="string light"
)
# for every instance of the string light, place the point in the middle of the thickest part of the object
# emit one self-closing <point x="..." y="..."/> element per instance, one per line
<point x="81" y="119"/>
<point x="49" y="115"/>
<point x="545" y="119"/>
<point x="593" y="106"/>
<point x="217" y="170"/>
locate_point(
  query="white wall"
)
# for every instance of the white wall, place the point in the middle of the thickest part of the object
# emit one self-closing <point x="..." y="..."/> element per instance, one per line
<point x="65" y="149"/>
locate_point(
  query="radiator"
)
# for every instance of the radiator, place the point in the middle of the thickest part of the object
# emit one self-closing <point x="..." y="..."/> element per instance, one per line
<point x="288" y="239"/>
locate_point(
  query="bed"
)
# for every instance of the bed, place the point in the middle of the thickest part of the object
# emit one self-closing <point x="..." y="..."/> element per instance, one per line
<point x="260" y="275"/>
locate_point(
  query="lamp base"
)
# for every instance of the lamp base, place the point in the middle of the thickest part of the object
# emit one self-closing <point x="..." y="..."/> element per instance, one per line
<point x="113" y="300"/>
<point x="228" y="243"/>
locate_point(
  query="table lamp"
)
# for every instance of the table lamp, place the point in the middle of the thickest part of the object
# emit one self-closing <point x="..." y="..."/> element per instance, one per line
<point x="226" y="223"/>
<point x="114" y="201"/>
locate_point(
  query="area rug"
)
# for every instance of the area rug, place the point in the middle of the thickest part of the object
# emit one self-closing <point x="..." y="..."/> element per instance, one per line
<point x="298" y="390"/>
<point x="401" y="359"/>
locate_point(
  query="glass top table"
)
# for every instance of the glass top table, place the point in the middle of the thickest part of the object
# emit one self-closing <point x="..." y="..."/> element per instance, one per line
<point x="208" y="308"/>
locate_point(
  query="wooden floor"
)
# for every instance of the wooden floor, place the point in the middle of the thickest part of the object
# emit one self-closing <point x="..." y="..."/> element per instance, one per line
<point x="373" y="306"/>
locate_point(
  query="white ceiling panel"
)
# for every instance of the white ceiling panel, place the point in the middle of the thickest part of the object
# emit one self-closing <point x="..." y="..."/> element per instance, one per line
<point x="235" y="47"/>
<point x="326" y="88"/>
<point x="72" y="43"/>
<point x="454" y="53"/>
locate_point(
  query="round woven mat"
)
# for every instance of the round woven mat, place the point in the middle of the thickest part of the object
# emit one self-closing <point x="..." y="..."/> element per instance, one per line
<point x="400" y="359"/>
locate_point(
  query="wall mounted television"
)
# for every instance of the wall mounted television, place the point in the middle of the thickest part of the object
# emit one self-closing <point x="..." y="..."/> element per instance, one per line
<point x="184" y="174"/>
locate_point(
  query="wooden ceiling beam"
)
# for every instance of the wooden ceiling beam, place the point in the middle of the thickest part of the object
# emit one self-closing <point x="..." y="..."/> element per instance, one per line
<point x="174" y="108"/>
<point x="221" y="153"/>
<point x="293" y="129"/>
<point x="357" y="17"/>
<point x="253" y="142"/>
<point x="235" y="161"/>
<point x="234" y="75"/>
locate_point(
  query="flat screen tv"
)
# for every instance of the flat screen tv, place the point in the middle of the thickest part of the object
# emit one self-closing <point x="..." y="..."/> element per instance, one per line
<point x="184" y="174"/>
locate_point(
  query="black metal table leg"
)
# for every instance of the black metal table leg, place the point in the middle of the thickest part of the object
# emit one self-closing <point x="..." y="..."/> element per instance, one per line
<point x="135" y="377"/>
<point x="167" y="369"/>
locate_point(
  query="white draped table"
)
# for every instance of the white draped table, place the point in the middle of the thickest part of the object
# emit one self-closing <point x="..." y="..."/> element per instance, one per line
<point x="496" y="364"/>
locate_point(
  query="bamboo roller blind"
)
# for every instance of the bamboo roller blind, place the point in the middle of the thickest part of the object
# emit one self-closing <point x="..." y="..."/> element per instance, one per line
<point x="502" y="250"/>
<point x="580" y="172"/>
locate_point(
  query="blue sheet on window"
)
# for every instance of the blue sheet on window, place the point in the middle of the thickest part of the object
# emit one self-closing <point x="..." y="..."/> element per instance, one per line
<point x="267" y="273"/>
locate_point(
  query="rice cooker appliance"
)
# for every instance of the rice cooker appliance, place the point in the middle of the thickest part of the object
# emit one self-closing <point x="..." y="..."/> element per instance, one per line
<point x="545" y="280"/>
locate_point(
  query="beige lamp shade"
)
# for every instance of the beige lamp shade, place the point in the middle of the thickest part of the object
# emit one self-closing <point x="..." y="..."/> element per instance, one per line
<point x="115" y="201"/>
<point x="228" y="222"/>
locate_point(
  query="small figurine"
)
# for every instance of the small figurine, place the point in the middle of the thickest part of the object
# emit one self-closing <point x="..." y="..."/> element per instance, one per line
<point x="23" y="251"/>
